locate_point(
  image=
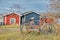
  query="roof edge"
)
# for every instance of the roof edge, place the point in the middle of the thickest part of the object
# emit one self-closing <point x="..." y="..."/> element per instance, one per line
<point x="11" y="13"/>
<point x="28" y="12"/>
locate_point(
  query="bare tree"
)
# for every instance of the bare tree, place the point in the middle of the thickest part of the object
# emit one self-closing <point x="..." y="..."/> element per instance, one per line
<point x="14" y="8"/>
<point x="55" y="5"/>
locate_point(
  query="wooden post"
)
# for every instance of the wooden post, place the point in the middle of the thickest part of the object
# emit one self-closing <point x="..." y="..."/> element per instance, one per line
<point x="5" y="20"/>
<point x="2" y="21"/>
<point x="19" y="20"/>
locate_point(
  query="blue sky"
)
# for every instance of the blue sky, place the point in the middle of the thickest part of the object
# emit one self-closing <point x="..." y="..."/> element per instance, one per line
<point x="27" y="5"/>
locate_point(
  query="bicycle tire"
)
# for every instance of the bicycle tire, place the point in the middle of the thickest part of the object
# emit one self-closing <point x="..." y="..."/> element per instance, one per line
<point x="48" y="29"/>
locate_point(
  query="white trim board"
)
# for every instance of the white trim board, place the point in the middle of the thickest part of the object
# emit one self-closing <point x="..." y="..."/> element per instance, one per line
<point x="13" y="19"/>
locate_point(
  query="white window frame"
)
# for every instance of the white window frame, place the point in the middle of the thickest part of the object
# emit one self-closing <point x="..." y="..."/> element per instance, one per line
<point x="58" y="20"/>
<point x="14" y="20"/>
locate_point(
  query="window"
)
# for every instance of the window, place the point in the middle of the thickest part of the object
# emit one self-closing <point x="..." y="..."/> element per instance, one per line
<point x="12" y="20"/>
<point x="58" y="20"/>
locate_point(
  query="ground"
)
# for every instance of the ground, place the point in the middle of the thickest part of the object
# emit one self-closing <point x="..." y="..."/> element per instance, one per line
<point x="13" y="33"/>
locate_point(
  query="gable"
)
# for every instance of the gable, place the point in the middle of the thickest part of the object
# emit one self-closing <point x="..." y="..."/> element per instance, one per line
<point x="12" y="14"/>
<point x="29" y="13"/>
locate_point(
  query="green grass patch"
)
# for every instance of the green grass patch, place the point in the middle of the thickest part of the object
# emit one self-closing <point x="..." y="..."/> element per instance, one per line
<point x="10" y="26"/>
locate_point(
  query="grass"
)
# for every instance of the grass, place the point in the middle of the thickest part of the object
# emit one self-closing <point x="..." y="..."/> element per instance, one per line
<point x="19" y="36"/>
<point x="13" y="34"/>
<point x="10" y="26"/>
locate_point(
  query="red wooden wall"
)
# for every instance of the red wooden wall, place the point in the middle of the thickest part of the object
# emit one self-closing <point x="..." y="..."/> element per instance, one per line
<point x="12" y="15"/>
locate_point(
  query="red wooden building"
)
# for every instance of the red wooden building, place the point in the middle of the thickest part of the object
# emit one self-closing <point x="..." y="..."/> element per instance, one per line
<point x="12" y="18"/>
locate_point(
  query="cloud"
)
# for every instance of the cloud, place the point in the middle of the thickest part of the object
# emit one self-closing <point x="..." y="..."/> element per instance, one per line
<point x="28" y="5"/>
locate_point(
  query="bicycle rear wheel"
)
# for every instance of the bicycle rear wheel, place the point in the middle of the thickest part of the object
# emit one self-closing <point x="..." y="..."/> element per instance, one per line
<point x="48" y="29"/>
<point x="51" y="29"/>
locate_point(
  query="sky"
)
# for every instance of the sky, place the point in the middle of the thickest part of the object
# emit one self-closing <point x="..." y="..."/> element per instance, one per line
<point x="26" y="5"/>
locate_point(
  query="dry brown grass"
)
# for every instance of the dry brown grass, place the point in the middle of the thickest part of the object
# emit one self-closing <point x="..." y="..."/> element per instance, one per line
<point x="7" y="33"/>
